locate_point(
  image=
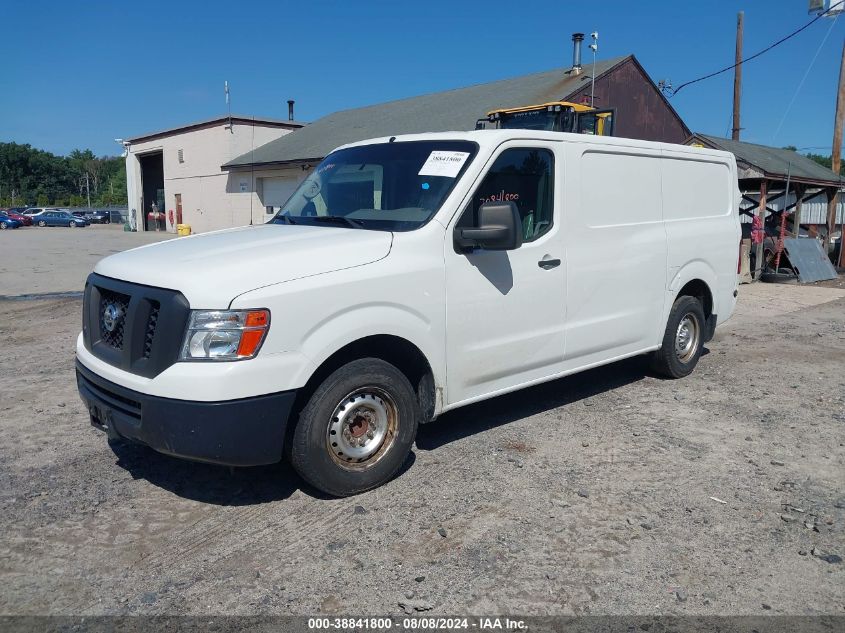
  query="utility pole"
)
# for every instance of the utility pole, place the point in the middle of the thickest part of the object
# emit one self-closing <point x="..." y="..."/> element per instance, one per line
<point x="593" y="47"/>
<point x="87" y="190"/>
<point x="740" y="17"/>
<point x="836" y="150"/>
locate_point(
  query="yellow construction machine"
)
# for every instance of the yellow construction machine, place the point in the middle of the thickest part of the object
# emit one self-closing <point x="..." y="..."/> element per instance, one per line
<point x="556" y="116"/>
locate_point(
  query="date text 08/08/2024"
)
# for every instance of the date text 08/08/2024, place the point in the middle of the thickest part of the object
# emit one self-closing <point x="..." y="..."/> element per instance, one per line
<point x="417" y="623"/>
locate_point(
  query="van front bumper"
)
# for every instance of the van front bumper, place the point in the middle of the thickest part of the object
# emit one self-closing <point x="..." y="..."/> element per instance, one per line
<point x="244" y="432"/>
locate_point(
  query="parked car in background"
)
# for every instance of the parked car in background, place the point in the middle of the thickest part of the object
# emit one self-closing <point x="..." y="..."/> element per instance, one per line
<point x="98" y="216"/>
<point x="31" y="212"/>
<point x="59" y="217"/>
<point x="94" y="216"/>
<point x="7" y="222"/>
<point x="16" y="214"/>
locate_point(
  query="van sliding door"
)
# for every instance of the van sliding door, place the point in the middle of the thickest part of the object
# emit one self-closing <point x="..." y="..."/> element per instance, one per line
<point x="615" y="245"/>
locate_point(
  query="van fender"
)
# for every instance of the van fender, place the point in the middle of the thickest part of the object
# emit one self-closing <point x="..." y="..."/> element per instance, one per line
<point x="680" y="277"/>
<point x="338" y="329"/>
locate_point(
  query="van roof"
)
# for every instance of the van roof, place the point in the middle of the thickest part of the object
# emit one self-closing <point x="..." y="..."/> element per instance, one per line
<point x="493" y="138"/>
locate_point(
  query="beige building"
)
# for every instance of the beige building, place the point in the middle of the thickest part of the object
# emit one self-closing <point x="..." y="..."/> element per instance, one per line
<point x="174" y="176"/>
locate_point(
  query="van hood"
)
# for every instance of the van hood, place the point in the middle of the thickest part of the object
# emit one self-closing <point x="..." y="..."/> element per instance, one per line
<point x="211" y="269"/>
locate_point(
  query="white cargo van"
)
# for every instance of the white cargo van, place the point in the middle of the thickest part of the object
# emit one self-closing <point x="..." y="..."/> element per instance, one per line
<point x="406" y="277"/>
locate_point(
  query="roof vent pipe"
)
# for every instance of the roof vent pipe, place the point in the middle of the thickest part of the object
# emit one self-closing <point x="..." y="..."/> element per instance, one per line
<point x="577" y="38"/>
<point x="290" y="109"/>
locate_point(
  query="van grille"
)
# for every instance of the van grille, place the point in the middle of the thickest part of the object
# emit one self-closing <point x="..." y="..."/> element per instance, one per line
<point x="152" y="321"/>
<point x="131" y="326"/>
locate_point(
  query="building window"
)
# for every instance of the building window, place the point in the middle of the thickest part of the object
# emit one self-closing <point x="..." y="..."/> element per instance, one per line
<point x="181" y="156"/>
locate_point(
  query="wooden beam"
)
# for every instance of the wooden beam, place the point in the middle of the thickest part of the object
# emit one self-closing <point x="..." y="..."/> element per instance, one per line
<point x="796" y="217"/>
<point x="832" y="198"/>
<point x="769" y="200"/>
<point x="761" y="213"/>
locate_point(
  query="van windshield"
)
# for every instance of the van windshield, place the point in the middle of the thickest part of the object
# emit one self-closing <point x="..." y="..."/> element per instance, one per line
<point x="387" y="187"/>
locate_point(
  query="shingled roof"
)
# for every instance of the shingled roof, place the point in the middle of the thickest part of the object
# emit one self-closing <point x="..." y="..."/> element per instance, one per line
<point x="457" y="109"/>
<point x="771" y="163"/>
<point x="225" y="118"/>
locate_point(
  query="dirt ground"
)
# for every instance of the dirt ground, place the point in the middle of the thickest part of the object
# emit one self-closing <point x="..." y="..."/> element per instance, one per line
<point x="609" y="492"/>
<point x="43" y="261"/>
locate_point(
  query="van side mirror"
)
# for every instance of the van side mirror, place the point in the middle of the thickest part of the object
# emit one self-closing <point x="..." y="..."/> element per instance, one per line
<point x="499" y="229"/>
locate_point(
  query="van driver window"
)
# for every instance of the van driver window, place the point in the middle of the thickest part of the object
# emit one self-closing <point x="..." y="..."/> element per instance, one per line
<point x="525" y="177"/>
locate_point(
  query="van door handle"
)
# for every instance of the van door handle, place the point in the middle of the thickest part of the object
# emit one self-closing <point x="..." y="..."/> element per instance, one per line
<point x="547" y="263"/>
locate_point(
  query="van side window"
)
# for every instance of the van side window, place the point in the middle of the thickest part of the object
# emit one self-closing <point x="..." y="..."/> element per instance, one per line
<point x="524" y="176"/>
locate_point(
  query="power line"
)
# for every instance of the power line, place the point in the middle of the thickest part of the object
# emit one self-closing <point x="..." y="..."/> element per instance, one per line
<point x="803" y="79"/>
<point x="765" y="50"/>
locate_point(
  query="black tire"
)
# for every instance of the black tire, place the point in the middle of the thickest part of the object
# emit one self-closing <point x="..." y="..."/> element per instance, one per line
<point x="669" y="360"/>
<point x="42" y="223"/>
<point x="781" y="276"/>
<point x="332" y="409"/>
<point x="3" y="226"/>
<point x="71" y="224"/>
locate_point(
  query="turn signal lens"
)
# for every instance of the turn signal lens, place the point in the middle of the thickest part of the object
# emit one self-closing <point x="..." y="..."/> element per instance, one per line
<point x="224" y="334"/>
<point x="257" y="318"/>
<point x="250" y="340"/>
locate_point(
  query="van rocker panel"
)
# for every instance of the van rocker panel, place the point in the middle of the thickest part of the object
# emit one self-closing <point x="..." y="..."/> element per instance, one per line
<point x="245" y="432"/>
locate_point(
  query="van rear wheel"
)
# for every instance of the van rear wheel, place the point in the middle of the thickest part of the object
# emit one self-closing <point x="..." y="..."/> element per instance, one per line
<point x="357" y="428"/>
<point x="682" y="341"/>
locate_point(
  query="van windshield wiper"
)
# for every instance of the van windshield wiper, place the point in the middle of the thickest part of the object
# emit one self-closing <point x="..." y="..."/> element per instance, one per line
<point x="283" y="219"/>
<point x="338" y="219"/>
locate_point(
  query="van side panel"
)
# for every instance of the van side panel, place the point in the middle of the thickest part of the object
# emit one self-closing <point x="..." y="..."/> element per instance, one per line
<point x="615" y="250"/>
<point x="702" y="225"/>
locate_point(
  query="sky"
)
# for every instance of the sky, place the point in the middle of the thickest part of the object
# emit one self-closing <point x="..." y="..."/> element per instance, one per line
<point x="83" y="74"/>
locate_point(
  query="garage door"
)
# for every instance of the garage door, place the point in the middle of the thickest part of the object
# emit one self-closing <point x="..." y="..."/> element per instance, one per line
<point x="276" y="191"/>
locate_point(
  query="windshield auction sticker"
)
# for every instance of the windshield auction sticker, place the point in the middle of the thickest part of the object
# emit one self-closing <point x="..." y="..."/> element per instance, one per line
<point x="443" y="163"/>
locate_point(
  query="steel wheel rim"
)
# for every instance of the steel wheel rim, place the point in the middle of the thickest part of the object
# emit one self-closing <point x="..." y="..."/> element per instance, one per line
<point x="686" y="337"/>
<point x="362" y="428"/>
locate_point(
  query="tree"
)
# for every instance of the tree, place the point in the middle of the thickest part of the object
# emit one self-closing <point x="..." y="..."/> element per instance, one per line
<point x="28" y="174"/>
<point x="114" y="188"/>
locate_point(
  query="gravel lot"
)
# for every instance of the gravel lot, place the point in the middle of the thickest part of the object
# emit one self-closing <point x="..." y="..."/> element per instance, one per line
<point x="609" y="492"/>
<point x="58" y="259"/>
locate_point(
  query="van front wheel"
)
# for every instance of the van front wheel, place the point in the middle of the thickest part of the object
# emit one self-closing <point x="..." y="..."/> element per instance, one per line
<point x="357" y="428"/>
<point x="681" y="348"/>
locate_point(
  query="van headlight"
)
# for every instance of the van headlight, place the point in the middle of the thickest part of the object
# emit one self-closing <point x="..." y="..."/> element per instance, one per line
<point x="224" y="334"/>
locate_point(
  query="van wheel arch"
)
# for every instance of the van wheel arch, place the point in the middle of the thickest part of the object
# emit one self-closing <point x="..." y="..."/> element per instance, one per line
<point x="397" y="351"/>
<point x="700" y="290"/>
